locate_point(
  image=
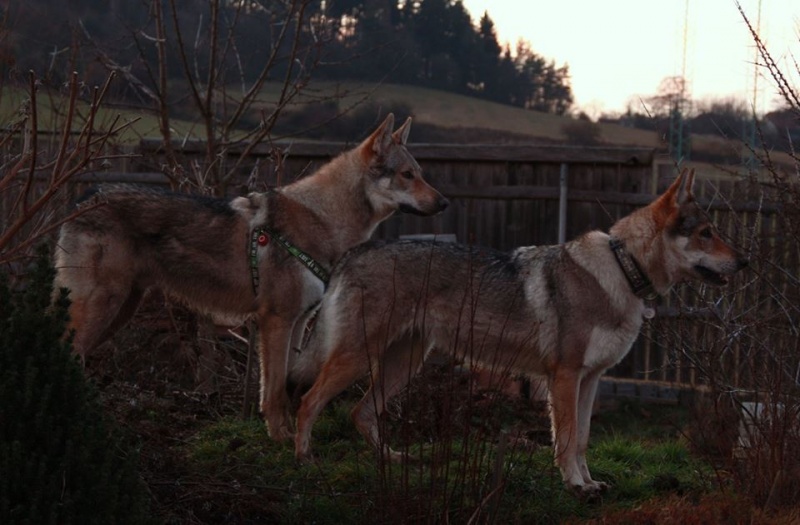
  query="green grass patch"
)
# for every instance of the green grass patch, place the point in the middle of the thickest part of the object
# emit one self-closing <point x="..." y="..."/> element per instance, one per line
<point x="455" y="480"/>
<point x="52" y="106"/>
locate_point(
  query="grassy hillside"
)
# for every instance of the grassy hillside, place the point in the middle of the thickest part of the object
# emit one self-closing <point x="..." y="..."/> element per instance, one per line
<point x="442" y="111"/>
<point x="458" y="112"/>
<point x="141" y="122"/>
<point x="450" y="110"/>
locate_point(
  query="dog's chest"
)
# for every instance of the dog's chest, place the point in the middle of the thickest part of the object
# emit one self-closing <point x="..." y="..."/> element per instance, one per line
<point x="607" y="345"/>
<point x="309" y="289"/>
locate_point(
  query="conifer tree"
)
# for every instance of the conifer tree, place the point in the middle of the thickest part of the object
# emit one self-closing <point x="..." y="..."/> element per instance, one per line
<point x="61" y="461"/>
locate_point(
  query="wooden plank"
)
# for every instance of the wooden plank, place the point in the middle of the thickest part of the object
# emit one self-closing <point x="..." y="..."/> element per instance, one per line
<point x="444" y="152"/>
<point x="104" y="177"/>
<point x="604" y="197"/>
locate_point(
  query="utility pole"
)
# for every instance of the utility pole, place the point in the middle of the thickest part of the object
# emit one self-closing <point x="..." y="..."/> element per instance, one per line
<point x="751" y="124"/>
<point x="678" y="135"/>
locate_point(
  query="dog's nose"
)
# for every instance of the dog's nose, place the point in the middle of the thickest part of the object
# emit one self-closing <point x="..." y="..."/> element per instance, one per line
<point x="742" y="263"/>
<point x="442" y="203"/>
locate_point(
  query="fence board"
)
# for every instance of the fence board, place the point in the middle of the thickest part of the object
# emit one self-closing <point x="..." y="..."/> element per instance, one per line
<point x="507" y="196"/>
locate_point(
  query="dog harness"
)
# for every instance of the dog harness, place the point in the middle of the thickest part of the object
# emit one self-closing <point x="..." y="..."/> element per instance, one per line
<point x="641" y="286"/>
<point x="261" y="237"/>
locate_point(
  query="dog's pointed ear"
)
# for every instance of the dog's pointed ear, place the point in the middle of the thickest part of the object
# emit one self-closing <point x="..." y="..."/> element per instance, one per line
<point x="666" y="207"/>
<point x="380" y="140"/>
<point x="681" y="189"/>
<point x="400" y="135"/>
<point x="685" y="192"/>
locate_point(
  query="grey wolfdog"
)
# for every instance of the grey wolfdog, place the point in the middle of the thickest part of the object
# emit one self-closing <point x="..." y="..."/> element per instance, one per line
<point x="265" y="255"/>
<point x="566" y="312"/>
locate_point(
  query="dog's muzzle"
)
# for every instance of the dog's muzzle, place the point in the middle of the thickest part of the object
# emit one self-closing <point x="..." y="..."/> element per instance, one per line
<point x="439" y="205"/>
<point x="719" y="278"/>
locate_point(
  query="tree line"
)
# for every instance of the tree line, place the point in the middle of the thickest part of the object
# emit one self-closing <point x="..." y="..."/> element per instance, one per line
<point x="430" y="43"/>
<point x="434" y="43"/>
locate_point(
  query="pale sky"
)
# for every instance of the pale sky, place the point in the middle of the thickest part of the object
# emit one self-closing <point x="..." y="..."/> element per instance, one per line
<point x="620" y="50"/>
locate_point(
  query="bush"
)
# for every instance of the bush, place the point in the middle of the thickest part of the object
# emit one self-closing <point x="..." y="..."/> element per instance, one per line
<point x="326" y="120"/>
<point x="582" y="132"/>
<point x="61" y="461"/>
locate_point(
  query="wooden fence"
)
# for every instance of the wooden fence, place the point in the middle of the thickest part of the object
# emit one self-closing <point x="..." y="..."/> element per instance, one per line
<point x="509" y="196"/>
<point x="504" y="196"/>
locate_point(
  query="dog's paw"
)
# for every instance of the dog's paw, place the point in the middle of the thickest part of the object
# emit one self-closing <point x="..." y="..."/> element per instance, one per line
<point x="280" y="433"/>
<point x="305" y="457"/>
<point x="590" y="491"/>
<point x="399" y="458"/>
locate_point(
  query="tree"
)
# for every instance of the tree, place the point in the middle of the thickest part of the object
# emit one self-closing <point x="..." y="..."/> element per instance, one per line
<point x="209" y="61"/>
<point x="62" y="460"/>
<point x="541" y="85"/>
<point x="726" y="117"/>
<point x="782" y="128"/>
<point x="486" y="79"/>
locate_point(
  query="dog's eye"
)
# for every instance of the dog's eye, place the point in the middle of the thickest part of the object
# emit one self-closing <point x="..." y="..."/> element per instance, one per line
<point x="706" y="233"/>
<point x="408" y="175"/>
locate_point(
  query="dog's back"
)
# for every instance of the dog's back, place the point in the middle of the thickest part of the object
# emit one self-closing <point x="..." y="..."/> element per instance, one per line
<point x="470" y="299"/>
<point x="131" y="238"/>
<point x="145" y="220"/>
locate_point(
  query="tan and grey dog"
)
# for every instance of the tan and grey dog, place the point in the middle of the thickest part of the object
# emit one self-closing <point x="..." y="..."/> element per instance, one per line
<point x="251" y="256"/>
<point x="567" y="312"/>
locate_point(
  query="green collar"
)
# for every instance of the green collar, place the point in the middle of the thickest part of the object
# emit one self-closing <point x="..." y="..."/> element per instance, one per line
<point x="261" y="236"/>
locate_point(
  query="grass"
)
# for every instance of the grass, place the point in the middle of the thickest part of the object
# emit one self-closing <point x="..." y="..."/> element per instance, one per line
<point x="452" y="110"/>
<point x="470" y="477"/>
<point x="142" y="122"/>
<point x="429" y="106"/>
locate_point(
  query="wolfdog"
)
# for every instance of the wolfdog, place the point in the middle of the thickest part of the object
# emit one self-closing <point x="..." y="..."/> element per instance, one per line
<point x="566" y="312"/>
<point x="265" y="255"/>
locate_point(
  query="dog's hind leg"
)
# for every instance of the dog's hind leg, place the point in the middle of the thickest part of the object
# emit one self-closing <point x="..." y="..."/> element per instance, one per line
<point x="341" y="370"/>
<point x="399" y="364"/>
<point x="126" y="311"/>
<point x="96" y="316"/>
<point x="275" y="336"/>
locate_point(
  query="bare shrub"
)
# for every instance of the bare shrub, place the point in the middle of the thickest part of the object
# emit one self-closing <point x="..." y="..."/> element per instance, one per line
<point x="39" y="165"/>
<point x="747" y="350"/>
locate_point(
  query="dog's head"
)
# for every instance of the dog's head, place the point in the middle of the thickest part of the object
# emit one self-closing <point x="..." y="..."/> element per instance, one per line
<point x="693" y="247"/>
<point x="395" y="177"/>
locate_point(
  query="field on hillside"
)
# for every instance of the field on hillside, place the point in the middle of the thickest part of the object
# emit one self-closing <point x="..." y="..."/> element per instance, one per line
<point x="455" y="118"/>
<point x="431" y="107"/>
<point x="439" y="108"/>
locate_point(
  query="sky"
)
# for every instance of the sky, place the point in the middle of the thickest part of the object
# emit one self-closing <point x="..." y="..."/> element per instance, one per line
<point x="619" y="51"/>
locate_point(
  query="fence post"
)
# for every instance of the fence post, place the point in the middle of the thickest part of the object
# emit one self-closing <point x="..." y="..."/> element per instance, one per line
<point x="562" y="204"/>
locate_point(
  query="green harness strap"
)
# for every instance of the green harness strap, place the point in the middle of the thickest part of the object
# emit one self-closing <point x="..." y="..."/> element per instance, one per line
<point x="256" y="239"/>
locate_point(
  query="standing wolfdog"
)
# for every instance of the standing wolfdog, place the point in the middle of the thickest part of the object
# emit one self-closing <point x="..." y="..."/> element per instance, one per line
<point x="264" y="255"/>
<point x="567" y="312"/>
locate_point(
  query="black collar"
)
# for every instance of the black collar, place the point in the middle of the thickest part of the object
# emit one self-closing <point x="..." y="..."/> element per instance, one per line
<point x="641" y="286"/>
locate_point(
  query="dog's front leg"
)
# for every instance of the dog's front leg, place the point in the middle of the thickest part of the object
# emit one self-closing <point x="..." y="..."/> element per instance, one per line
<point x="586" y="397"/>
<point x="564" y="385"/>
<point x="274" y="334"/>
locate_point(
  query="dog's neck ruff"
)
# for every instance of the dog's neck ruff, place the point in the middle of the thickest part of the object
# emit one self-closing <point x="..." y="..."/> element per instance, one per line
<point x="265" y="232"/>
<point x="641" y="286"/>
